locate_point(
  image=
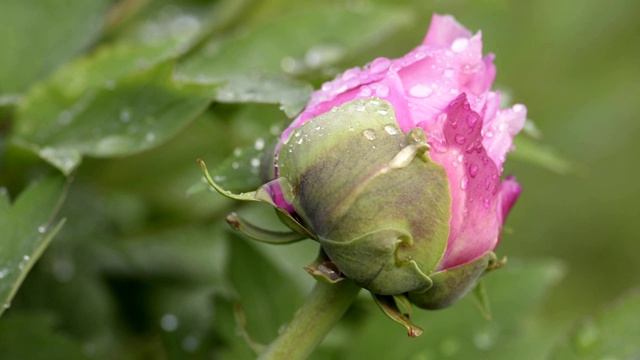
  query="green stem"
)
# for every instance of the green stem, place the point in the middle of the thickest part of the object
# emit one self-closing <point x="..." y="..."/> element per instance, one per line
<point x="312" y="322"/>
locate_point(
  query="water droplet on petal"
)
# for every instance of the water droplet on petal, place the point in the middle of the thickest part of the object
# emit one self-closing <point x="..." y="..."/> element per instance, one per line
<point x="420" y="91"/>
<point x="379" y="65"/>
<point x="370" y="134"/>
<point x="518" y="107"/>
<point x="487" y="203"/>
<point x="464" y="183"/>
<point x="382" y="91"/>
<point x="365" y="91"/>
<point x="473" y="170"/>
<point x="472" y="119"/>
<point x="460" y="44"/>
<point x="460" y="139"/>
<point x="453" y="121"/>
<point x="448" y="73"/>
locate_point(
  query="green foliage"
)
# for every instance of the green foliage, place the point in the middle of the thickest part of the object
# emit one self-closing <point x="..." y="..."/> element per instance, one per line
<point x="27" y="227"/>
<point x="122" y="97"/>
<point x="612" y="333"/>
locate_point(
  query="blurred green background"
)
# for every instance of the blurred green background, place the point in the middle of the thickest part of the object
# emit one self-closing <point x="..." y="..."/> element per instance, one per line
<point x="124" y="96"/>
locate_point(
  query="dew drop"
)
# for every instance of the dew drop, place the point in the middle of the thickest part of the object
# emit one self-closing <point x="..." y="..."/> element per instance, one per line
<point x="420" y="91"/>
<point x="125" y="115"/>
<point x="460" y="44"/>
<point x="487" y="203"/>
<point x="518" y="108"/>
<point x="587" y="336"/>
<point x="487" y="183"/>
<point x="65" y="117"/>
<point x="370" y="134"/>
<point x="453" y="121"/>
<point x="382" y="91"/>
<point x="472" y="119"/>
<point x="450" y="347"/>
<point x="365" y="91"/>
<point x="169" y="322"/>
<point x="464" y="183"/>
<point x="379" y="65"/>
<point x="42" y="229"/>
<point x="390" y="129"/>
<point x="150" y="137"/>
<point x="259" y="144"/>
<point x="190" y="344"/>
<point x="473" y="170"/>
<point x="255" y="162"/>
<point x="109" y="84"/>
<point x="485" y="339"/>
<point x="235" y="165"/>
<point x="460" y="139"/>
<point x="448" y="73"/>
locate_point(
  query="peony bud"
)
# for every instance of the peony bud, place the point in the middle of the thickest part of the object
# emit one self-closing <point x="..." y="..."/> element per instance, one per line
<point x="395" y="170"/>
<point x="439" y="216"/>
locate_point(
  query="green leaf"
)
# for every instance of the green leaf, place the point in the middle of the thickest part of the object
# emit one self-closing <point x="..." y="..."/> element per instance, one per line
<point x="460" y="332"/>
<point x="252" y="62"/>
<point x="188" y="254"/>
<point x="291" y="94"/>
<point x="259" y="285"/>
<point x="312" y="39"/>
<point x="38" y="36"/>
<point x="27" y="228"/>
<point x="136" y="113"/>
<point x="247" y="168"/>
<point x="610" y="334"/>
<point x="529" y="151"/>
<point x="32" y="336"/>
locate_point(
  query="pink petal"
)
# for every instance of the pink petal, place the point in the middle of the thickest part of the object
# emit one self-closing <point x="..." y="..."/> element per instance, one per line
<point x="473" y="181"/>
<point x="444" y="29"/>
<point x="499" y="131"/>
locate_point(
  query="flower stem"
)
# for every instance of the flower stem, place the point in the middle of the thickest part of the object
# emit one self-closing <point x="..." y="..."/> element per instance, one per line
<point x="312" y="322"/>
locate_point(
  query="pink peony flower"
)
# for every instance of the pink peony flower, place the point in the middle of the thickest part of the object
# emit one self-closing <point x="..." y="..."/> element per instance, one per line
<point x="443" y="87"/>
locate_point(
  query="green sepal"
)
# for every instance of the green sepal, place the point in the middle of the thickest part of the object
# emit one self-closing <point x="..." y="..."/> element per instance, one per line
<point x="260" y="195"/>
<point x="481" y="299"/>
<point x="324" y="270"/>
<point x="379" y="205"/>
<point x="241" y="321"/>
<point x="249" y="196"/>
<point x="453" y="284"/>
<point x="375" y="261"/>
<point x="388" y="305"/>
<point x="258" y="233"/>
